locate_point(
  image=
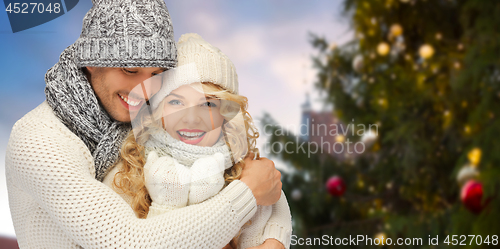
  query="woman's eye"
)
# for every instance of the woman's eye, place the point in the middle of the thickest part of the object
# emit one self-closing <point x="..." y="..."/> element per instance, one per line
<point x="174" y="102"/>
<point x="209" y="104"/>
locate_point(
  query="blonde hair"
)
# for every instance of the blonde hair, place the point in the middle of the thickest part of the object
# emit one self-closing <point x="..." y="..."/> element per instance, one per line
<point x="130" y="178"/>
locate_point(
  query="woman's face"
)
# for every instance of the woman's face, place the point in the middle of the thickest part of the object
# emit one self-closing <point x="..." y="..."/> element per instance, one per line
<point x="191" y="117"/>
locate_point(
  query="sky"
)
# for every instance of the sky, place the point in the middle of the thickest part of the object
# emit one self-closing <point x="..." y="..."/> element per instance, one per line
<point x="267" y="40"/>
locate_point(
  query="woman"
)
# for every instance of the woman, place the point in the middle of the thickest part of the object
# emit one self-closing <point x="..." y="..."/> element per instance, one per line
<point x="188" y="153"/>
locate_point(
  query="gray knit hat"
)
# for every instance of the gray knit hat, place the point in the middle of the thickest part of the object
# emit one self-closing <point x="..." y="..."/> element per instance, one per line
<point x="127" y="33"/>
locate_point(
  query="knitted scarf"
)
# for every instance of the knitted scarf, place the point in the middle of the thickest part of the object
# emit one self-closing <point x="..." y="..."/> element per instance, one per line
<point x="185" y="154"/>
<point x="73" y="101"/>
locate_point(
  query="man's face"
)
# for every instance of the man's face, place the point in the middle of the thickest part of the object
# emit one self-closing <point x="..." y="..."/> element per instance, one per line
<point x="114" y="87"/>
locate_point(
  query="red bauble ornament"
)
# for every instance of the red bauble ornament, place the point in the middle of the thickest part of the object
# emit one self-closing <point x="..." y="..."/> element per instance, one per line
<point x="335" y="186"/>
<point x="471" y="196"/>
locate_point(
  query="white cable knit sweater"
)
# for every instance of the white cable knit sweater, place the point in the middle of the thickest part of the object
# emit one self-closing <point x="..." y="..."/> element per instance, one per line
<point x="56" y="202"/>
<point x="268" y="222"/>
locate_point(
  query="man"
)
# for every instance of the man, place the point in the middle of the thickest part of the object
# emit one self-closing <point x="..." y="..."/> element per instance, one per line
<point x="59" y="153"/>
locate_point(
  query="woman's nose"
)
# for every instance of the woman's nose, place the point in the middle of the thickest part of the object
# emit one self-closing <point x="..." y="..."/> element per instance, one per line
<point x="191" y="115"/>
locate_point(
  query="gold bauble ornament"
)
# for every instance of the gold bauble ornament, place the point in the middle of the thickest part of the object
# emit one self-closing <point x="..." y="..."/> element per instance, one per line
<point x="339" y="138"/>
<point x="426" y="51"/>
<point x="381" y="236"/>
<point x="383" y="102"/>
<point x="389" y="185"/>
<point x="474" y="156"/>
<point x="383" y="49"/>
<point x="361" y="184"/>
<point x="447" y="118"/>
<point x="396" y="30"/>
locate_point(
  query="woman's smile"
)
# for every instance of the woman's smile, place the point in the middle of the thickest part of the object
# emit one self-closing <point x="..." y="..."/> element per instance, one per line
<point x="191" y="136"/>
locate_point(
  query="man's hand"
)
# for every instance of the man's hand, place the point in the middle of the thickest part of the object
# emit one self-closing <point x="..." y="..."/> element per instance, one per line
<point x="263" y="179"/>
<point x="270" y="244"/>
<point x="228" y="246"/>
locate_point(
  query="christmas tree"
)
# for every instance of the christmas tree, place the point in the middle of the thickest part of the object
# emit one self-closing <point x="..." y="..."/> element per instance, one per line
<point x="416" y="94"/>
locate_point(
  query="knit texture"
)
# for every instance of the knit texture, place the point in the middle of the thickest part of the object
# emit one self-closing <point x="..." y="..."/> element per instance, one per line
<point x="174" y="185"/>
<point x="198" y="61"/>
<point x="56" y="202"/>
<point x="169" y="173"/>
<point x="72" y="98"/>
<point x="127" y="33"/>
<point x="277" y="225"/>
<point x="267" y="222"/>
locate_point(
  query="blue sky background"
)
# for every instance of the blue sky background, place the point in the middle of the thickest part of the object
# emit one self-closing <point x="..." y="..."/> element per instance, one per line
<point x="267" y="40"/>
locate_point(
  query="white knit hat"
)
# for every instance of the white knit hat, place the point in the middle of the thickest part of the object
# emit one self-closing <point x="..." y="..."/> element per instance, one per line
<point x="198" y="61"/>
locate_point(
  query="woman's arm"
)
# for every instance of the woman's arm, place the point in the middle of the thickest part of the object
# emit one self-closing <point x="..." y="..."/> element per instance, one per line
<point x="51" y="165"/>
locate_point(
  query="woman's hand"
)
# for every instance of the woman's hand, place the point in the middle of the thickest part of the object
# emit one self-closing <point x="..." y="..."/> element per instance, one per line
<point x="270" y="244"/>
<point x="207" y="178"/>
<point x="167" y="181"/>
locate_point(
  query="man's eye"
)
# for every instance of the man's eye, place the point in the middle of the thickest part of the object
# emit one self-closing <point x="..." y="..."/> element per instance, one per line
<point x="129" y="71"/>
<point x="159" y="72"/>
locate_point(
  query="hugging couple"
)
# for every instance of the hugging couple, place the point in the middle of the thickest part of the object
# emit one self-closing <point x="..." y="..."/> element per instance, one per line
<point x="142" y="142"/>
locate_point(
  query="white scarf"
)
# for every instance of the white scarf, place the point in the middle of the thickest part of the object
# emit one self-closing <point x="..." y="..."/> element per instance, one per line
<point x="185" y="154"/>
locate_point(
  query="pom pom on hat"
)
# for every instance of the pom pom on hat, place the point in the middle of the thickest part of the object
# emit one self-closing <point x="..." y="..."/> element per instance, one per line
<point x="186" y="36"/>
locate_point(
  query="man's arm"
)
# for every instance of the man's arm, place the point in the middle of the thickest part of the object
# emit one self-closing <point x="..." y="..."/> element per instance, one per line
<point x="271" y="227"/>
<point x="52" y="166"/>
<point x="279" y="225"/>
